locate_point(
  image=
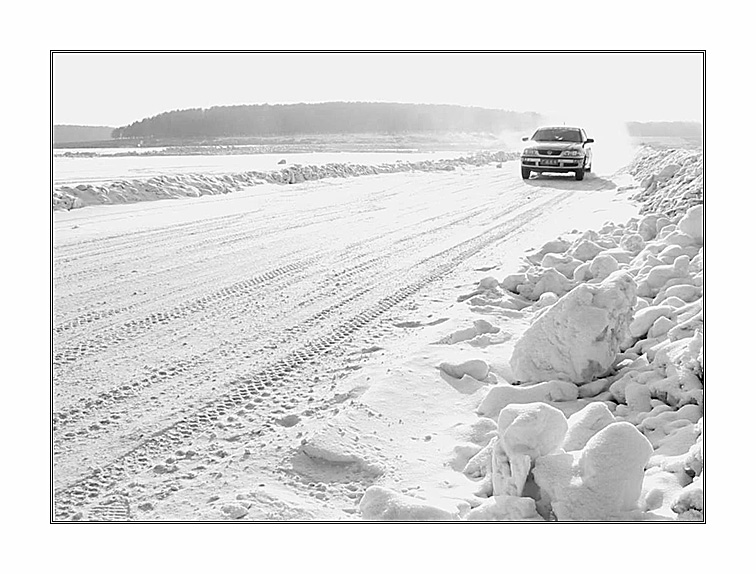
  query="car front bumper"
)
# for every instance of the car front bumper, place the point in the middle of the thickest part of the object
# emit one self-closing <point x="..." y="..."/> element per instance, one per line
<point x="535" y="163"/>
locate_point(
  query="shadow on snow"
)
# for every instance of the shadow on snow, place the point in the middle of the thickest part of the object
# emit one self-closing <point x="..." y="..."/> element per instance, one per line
<point x="566" y="181"/>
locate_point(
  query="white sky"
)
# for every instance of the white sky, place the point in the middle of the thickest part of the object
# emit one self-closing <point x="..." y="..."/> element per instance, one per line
<point x="117" y="89"/>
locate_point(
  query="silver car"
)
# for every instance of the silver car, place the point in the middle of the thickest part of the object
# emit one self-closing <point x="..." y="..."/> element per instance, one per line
<point x="558" y="149"/>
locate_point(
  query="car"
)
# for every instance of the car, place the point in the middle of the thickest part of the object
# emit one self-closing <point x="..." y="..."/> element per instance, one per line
<point x="558" y="149"/>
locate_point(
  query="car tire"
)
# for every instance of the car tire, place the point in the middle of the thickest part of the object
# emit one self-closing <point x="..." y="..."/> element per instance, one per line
<point x="525" y="172"/>
<point x="589" y="168"/>
<point x="579" y="174"/>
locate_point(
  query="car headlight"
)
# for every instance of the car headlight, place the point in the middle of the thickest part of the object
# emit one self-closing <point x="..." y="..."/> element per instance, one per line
<point x="572" y="153"/>
<point x="530" y="151"/>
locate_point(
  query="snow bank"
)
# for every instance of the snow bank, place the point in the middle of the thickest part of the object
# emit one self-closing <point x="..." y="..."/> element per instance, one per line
<point x="195" y="185"/>
<point x="615" y="342"/>
<point x="671" y="180"/>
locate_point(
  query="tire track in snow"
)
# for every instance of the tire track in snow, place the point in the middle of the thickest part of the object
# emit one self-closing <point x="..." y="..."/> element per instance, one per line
<point x="136" y="327"/>
<point x="275" y="377"/>
<point x="165" y="371"/>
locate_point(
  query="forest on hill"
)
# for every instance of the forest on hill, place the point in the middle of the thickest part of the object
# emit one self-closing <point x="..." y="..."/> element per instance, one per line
<point x="326" y="118"/>
<point x="69" y="133"/>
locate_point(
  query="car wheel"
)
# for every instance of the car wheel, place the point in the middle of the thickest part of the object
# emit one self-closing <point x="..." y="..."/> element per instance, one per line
<point x="525" y="172"/>
<point x="579" y="174"/>
<point x="589" y="168"/>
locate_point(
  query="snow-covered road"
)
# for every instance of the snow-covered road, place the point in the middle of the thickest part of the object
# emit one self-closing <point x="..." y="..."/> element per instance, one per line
<point x="198" y="334"/>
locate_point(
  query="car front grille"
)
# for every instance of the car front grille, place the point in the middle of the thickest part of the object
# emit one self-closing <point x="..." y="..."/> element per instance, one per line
<point x="550" y="151"/>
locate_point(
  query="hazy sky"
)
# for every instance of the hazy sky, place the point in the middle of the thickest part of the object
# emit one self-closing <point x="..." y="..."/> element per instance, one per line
<point x="117" y="89"/>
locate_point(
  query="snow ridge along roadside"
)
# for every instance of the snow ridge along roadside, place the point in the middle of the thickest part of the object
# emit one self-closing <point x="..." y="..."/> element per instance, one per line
<point x="196" y="185"/>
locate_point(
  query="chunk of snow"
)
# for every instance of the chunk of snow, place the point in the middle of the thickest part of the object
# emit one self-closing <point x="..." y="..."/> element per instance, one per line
<point x="500" y="396"/>
<point x="479" y="327"/>
<point x="543" y="281"/>
<point x="603" y="481"/>
<point x="546" y="300"/>
<point x="658" y="276"/>
<point x="505" y="508"/>
<point x="689" y="503"/>
<point x="638" y="398"/>
<point x="602" y="266"/>
<point x="565" y="264"/>
<point x="512" y="282"/>
<point x="578" y="337"/>
<point x="660" y="489"/>
<point x="339" y="444"/>
<point x="647" y="227"/>
<point x="462" y="453"/>
<point x="687" y="293"/>
<point x="660" y="327"/>
<point x="479" y="465"/>
<point x="526" y="432"/>
<point x="582" y="273"/>
<point x="475" y="368"/>
<point x="382" y="504"/>
<point x="585" y="423"/>
<point x="633" y="243"/>
<point x="488" y="283"/>
<point x="644" y="318"/>
<point x="585" y="250"/>
<point x="555" y="246"/>
<point x="533" y="429"/>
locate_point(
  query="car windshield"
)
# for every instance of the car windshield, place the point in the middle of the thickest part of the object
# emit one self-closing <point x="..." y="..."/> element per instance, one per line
<point x="557" y="135"/>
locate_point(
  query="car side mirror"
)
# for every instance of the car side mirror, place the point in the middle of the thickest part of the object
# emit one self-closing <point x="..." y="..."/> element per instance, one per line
<point x="526" y="138"/>
<point x="589" y="140"/>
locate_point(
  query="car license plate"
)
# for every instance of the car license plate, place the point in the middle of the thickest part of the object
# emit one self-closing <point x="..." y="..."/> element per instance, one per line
<point x="549" y="162"/>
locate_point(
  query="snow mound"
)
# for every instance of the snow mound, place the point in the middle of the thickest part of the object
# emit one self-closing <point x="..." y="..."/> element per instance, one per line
<point x="526" y="432"/>
<point x="615" y="343"/>
<point x="602" y="481"/>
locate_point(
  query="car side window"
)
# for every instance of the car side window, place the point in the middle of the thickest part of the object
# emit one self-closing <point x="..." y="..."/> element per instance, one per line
<point x="582" y="133"/>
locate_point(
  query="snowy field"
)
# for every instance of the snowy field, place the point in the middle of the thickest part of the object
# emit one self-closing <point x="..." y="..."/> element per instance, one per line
<point x="378" y="348"/>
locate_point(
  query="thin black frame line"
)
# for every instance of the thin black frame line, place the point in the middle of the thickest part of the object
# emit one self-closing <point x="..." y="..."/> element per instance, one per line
<point x="51" y="158"/>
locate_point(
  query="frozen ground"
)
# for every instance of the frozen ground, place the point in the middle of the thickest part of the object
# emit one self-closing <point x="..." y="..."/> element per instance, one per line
<point x="273" y="353"/>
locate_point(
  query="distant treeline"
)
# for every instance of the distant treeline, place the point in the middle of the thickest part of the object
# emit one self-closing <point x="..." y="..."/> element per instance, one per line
<point x="332" y="118"/>
<point x="665" y="129"/>
<point x="67" y="134"/>
<point x="327" y="118"/>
